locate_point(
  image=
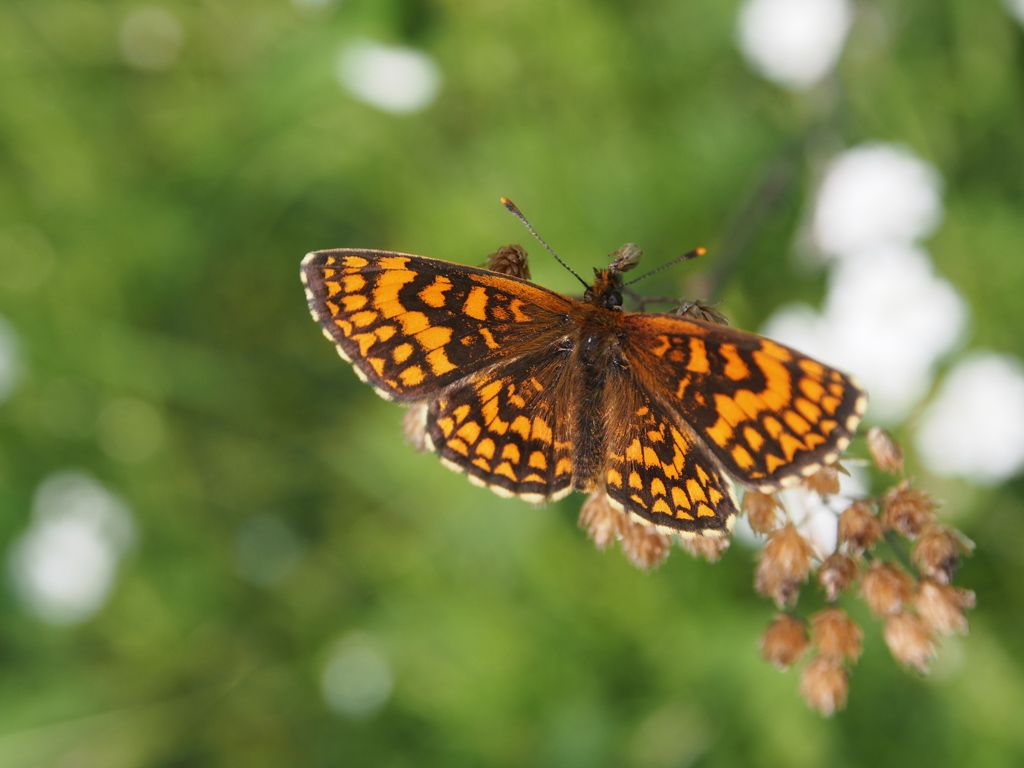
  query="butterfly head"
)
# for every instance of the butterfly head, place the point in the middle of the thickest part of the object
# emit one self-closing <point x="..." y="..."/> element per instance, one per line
<point x="606" y="290"/>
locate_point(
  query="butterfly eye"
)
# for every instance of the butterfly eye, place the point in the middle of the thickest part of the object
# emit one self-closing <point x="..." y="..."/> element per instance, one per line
<point x="613" y="299"/>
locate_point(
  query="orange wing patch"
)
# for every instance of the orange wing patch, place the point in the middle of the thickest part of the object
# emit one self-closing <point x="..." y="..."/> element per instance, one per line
<point x="412" y="325"/>
<point x="769" y="414"/>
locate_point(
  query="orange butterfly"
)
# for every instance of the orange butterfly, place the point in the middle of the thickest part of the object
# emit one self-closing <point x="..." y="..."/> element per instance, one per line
<point x="534" y="394"/>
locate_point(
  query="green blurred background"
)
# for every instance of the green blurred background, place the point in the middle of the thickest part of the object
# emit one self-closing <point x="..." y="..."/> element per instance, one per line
<point x="290" y="583"/>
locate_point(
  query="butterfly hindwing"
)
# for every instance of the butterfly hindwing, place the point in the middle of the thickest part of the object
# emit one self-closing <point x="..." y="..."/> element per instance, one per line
<point x="412" y="325"/>
<point x="657" y="469"/>
<point x="509" y="427"/>
<point x="768" y="413"/>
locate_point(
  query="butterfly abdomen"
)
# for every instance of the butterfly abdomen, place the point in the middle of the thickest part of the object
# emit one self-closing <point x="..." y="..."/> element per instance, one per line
<point x="597" y="359"/>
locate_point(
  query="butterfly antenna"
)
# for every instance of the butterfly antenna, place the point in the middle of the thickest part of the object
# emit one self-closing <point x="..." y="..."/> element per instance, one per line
<point x="700" y="251"/>
<point x="514" y="210"/>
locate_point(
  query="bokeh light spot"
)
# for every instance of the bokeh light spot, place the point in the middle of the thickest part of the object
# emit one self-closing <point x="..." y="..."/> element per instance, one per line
<point x="391" y="78"/>
<point x="873" y="195"/>
<point x="64" y="565"/>
<point x="356" y="680"/>
<point x="793" y="43"/>
<point x="151" y="38"/>
<point x="974" y="427"/>
<point x="10" y="365"/>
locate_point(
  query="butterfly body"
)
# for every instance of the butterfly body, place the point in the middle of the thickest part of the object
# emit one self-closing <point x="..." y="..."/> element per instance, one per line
<point x="534" y="394"/>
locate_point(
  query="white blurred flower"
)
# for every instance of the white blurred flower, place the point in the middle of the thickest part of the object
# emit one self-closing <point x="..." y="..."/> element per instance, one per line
<point x="64" y="565"/>
<point x="974" y="427"/>
<point x="391" y="78"/>
<point x="817" y="517"/>
<point x="151" y="38"/>
<point x="9" y="365"/>
<point x="1015" y="8"/>
<point x="793" y="43"/>
<point x="356" y="681"/>
<point x="873" y="195"/>
<point x="888" y="319"/>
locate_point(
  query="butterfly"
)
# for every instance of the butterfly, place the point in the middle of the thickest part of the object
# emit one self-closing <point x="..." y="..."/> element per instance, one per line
<point x="535" y="394"/>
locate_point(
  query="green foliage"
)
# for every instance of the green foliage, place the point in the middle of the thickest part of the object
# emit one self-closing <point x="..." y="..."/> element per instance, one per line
<point x="151" y="226"/>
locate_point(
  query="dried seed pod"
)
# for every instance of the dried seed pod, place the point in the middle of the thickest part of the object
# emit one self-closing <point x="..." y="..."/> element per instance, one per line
<point x="859" y="527"/>
<point x="909" y="640"/>
<point x="824" y="685"/>
<point x="836" y="574"/>
<point x="414" y="426"/>
<point x="825" y="481"/>
<point x="708" y="547"/>
<point x="602" y="522"/>
<point x="937" y="553"/>
<point x="942" y="606"/>
<point x="509" y="260"/>
<point x="836" y="635"/>
<point x="784" y="642"/>
<point x="907" y="510"/>
<point x="886" y="588"/>
<point x="700" y="310"/>
<point x="885" y="451"/>
<point x="644" y="545"/>
<point x="625" y="257"/>
<point x="785" y="563"/>
<point x="762" y="511"/>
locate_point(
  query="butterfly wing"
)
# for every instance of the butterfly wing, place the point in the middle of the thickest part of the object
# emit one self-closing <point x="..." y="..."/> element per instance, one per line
<point x="412" y="325"/>
<point x="768" y="413"/>
<point x="659" y="470"/>
<point x="509" y="427"/>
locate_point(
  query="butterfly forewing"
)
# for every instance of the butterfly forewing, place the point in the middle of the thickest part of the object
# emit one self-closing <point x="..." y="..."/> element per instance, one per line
<point x="412" y="325"/>
<point x="767" y="412"/>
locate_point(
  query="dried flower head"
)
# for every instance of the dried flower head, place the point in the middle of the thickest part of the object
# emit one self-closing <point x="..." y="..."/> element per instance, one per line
<point x="645" y="545"/>
<point x="885" y="452"/>
<point x="836" y="574"/>
<point x="825" y="481"/>
<point x="937" y="553"/>
<point x="700" y="310"/>
<point x="784" y="642"/>
<point x="907" y="510"/>
<point x="708" y="547"/>
<point x="886" y="588"/>
<point x="603" y="523"/>
<point x="762" y="511"/>
<point x="835" y="635"/>
<point x="942" y="606"/>
<point x="859" y="527"/>
<point x="824" y="685"/>
<point x="414" y="426"/>
<point x="909" y="640"/>
<point x="785" y="563"/>
<point x="876" y="537"/>
<point x="509" y="260"/>
<point x="625" y="257"/>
